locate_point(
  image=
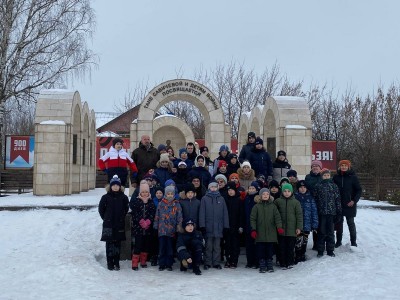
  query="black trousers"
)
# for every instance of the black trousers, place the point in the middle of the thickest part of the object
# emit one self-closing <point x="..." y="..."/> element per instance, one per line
<point x="232" y="248"/>
<point x="251" y="252"/>
<point x="166" y="254"/>
<point x="326" y="236"/>
<point x="265" y="250"/>
<point x="352" y="229"/>
<point x="142" y="244"/>
<point x="286" y="247"/>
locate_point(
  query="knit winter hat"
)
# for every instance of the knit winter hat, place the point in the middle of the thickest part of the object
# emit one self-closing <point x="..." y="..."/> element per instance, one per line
<point x="223" y="148"/>
<point x="301" y="183"/>
<point x="170" y="182"/>
<point x="251" y="134"/>
<point x="232" y="155"/>
<point x="117" y="140"/>
<point x="316" y="163"/>
<point x="187" y="222"/>
<point x="281" y="152"/>
<point x="212" y="184"/>
<point x="261" y="177"/>
<point x="158" y="188"/>
<point x="287" y="186"/>
<point x="189" y="187"/>
<point x="221" y="163"/>
<point x="221" y="176"/>
<point x="169" y="189"/>
<point x="246" y="163"/>
<point x="233" y="175"/>
<point x="256" y="185"/>
<point x="161" y="147"/>
<point x="115" y="180"/>
<point x="273" y="183"/>
<point x="291" y="173"/>
<point x="324" y="171"/>
<point x="231" y="185"/>
<point x="284" y="179"/>
<point x="263" y="190"/>
<point x="144" y="187"/>
<point x="164" y="157"/>
<point x="345" y="162"/>
<point x="182" y="150"/>
<point x="182" y="163"/>
<point x="259" y="141"/>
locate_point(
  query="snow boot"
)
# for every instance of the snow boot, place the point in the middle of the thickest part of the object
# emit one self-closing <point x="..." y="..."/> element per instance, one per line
<point x="263" y="267"/>
<point x="330" y="253"/>
<point x="143" y="259"/>
<point x="135" y="262"/>
<point x="110" y="263"/>
<point x="339" y="236"/>
<point x="270" y="268"/>
<point x="320" y="253"/>
<point x="154" y="260"/>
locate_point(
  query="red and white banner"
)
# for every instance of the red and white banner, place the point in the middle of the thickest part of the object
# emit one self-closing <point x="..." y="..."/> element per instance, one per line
<point x="325" y="151"/>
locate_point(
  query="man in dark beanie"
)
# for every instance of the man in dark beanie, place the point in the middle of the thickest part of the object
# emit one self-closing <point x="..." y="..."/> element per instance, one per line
<point x="245" y="153"/>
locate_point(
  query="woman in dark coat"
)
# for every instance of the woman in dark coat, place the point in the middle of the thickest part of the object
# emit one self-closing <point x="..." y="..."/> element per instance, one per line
<point x="350" y="193"/>
<point x="113" y="208"/>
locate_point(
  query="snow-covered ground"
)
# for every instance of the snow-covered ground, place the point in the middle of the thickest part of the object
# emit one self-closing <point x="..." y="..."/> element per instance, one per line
<point x="56" y="254"/>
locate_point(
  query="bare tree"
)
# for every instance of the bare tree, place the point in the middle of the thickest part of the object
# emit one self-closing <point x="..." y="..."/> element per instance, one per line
<point x="42" y="43"/>
<point x="133" y="96"/>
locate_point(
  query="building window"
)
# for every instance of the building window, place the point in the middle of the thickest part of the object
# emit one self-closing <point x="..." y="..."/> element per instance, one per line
<point x="91" y="154"/>
<point x="74" y="149"/>
<point x="83" y="152"/>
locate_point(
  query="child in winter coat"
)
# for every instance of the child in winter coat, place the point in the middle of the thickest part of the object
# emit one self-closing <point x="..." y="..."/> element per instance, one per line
<point x="190" y="204"/>
<point x="213" y="220"/>
<point x="183" y="156"/>
<point x="274" y="189"/>
<point x="327" y="196"/>
<point x="117" y="161"/>
<point x="236" y="216"/>
<point x="159" y="195"/>
<point x="233" y="164"/>
<point x="143" y="211"/>
<point x="200" y="170"/>
<point x="292" y="176"/>
<point x="113" y="208"/>
<point x="265" y="221"/>
<point x="189" y="247"/>
<point x="251" y="199"/>
<point x="281" y="166"/>
<point x="310" y="219"/>
<point x="164" y="169"/>
<point x="292" y="221"/>
<point x="167" y="221"/>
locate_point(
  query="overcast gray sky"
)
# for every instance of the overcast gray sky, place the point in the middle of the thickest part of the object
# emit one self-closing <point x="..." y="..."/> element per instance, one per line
<point x="340" y="42"/>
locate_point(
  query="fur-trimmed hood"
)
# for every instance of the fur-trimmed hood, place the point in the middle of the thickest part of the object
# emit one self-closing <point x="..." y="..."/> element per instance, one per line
<point x="257" y="199"/>
<point x="243" y="176"/>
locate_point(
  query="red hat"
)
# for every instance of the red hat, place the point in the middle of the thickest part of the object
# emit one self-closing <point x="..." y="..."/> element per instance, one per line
<point x="222" y="163"/>
<point x="345" y="162"/>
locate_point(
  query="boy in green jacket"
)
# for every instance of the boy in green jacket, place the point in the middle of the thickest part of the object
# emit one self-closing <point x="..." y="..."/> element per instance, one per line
<point x="265" y="220"/>
<point x="292" y="220"/>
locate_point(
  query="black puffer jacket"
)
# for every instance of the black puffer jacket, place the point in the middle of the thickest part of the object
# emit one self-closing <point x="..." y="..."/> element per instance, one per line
<point x="145" y="159"/>
<point x="187" y="243"/>
<point x="141" y="210"/>
<point x="113" y="208"/>
<point x="350" y="190"/>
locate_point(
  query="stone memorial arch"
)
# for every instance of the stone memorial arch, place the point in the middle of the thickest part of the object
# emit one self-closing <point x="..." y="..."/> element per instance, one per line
<point x="284" y="123"/>
<point x="65" y="140"/>
<point x="217" y="132"/>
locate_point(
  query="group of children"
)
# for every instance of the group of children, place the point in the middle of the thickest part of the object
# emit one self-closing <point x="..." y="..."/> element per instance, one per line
<point x="271" y="218"/>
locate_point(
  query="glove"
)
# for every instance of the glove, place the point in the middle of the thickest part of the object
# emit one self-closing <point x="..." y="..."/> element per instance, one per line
<point x="240" y="230"/>
<point x="253" y="234"/>
<point x="147" y="222"/>
<point x="281" y="231"/>
<point x="142" y="223"/>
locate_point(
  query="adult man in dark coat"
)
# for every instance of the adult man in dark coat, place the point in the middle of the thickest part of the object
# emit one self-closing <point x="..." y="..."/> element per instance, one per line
<point x="350" y="192"/>
<point x="245" y="153"/>
<point x="146" y="157"/>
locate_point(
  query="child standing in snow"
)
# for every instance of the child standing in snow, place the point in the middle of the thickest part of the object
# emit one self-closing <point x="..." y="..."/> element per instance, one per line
<point x="265" y="222"/>
<point x="168" y="218"/>
<point x="113" y="208"/>
<point x="292" y="221"/>
<point x="329" y="206"/>
<point x="310" y="219"/>
<point x="143" y="211"/>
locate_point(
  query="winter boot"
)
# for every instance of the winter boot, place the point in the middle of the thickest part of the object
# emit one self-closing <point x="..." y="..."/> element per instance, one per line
<point x="135" y="262"/>
<point x="143" y="259"/>
<point x="196" y="270"/>
<point x="330" y="253"/>
<point x="116" y="263"/>
<point x="263" y="267"/>
<point x="110" y="263"/>
<point x="270" y="268"/>
<point x="339" y="236"/>
<point x="154" y="260"/>
<point x="320" y="253"/>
